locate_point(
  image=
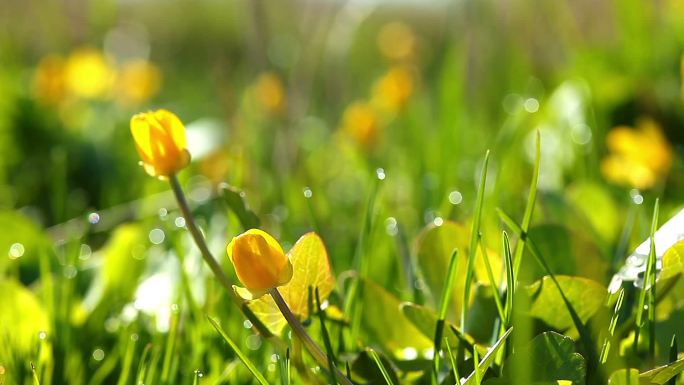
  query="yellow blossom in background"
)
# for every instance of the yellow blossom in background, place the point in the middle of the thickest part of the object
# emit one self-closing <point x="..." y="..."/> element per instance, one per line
<point x="270" y="92"/>
<point x="160" y="140"/>
<point x="48" y="80"/>
<point x="259" y="261"/>
<point x="88" y="74"/>
<point x="360" y="122"/>
<point x="397" y="41"/>
<point x="392" y="91"/>
<point x="138" y="80"/>
<point x="637" y="157"/>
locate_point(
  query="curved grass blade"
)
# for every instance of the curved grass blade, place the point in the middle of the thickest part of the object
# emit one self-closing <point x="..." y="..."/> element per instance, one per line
<point x="443" y="306"/>
<point x="492" y="282"/>
<point x="454" y="367"/>
<point x="326" y="339"/>
<point x="487" y="360"/>
<point x="241" y="355"/>
<point x="605" y="350"/>
<point x="648" y="292"/>
<point x="474" y="237"/>
<point x="381" y="366"/>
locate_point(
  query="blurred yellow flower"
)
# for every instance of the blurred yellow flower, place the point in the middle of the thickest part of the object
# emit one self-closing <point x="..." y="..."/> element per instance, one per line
<point x="48" y="80"/>
<point x="397" y="41"/>
<point x="392" y="91"/>
<point x="88" y="74"/>
<point x="360" y="122"/>
<point x="637" y="157"/>
<point x="138" y="81"/>
<point x="270" y="92"/>
<point x="259" y="261"/>
<point x="160" y="140"/>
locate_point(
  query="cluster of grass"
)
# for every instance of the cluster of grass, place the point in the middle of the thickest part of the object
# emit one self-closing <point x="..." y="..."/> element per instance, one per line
<point x="475" y="180"/>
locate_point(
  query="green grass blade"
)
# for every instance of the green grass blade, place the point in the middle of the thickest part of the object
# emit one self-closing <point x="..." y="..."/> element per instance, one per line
<point x="488" y="358"/>
<point x="36" y="381"/>
<point x="285" y="374"/>
<point x="492" y="282"/>
<point x="474" y="237"/>
<point x="648" y="293"/>
<point x="476" y="370"/>
<point x="128" y="360"/>
<point x="143" y="365"/>
<point x="674" y="352"/>
<point x="529" y="208"/>
<point x="326" y="339"/>
<point x="605" y="350"/>
<point x="196" y="377"/>
<point x="443" y="306"/>
<point x="381" y="366"/>
<point x="454" y="367"/>
<point x="170" y="347"/>
<point x="510" y="280"/>
<point x="241" y="355"/>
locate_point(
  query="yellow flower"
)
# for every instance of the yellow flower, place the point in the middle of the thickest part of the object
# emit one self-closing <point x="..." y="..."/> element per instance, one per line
<point x="259" y="262"/>
<point x="88" y="74"/>
<point x="138" y="81"/>
<point x="270" y="92"/>
<point x="48" y="80"/>
<point x="160" y="140"/>
<point x="392" y="91"/>
<point x="360" y="121"/>
<point x="637" y="157"/>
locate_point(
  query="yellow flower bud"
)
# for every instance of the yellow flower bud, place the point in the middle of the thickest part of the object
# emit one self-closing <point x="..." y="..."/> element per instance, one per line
<point x="259" y="262"/>
<point x="160" y="140"/>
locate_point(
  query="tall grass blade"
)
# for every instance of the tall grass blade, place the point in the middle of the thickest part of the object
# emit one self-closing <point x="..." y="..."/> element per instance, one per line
<point x="326" y="339"/>
<point x="454" y="367"/>
<point x="492" y="282"/>
<point x="605" y="350"/>
<point x="241" y="355"/>
<point x="674" y="352"/>
<point x="381" y="366"/>
<point x="474" y="237"/>
<point x="443" y="306"/>
<point x="648" y="293"/>
<point x="529" y="208"/>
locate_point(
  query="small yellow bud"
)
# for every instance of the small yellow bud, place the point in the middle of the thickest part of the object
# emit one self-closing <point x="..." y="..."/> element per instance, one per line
<point x="259" y="261"/>
<point x="160" y="140"/>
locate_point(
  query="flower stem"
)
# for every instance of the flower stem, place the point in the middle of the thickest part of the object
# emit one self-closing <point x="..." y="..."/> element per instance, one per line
<point x="214" y="265"/>
<point x="304" y="337"/>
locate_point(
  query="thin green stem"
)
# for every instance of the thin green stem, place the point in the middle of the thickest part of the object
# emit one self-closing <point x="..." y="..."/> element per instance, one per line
<point x="304" y="337"/>
<point x="213" y="263"/>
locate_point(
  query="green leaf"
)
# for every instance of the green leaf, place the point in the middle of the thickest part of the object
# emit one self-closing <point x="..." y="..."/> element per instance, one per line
<point x="662" y="374"/>
<point x="593" y="203"/>
<point x="311" y="268"/>
<point x="384" y="323"/>
<point x="586" y="296"/>
<point x="22" y="241"/>
<point x="551" y="357"/>
<point x="235" y="200"/>
<point x="673" y="261"/>
<point x="22" y="318"/>
<point x="425" y="320"/>
<point x="624" y="377"/>
<point x="487" y="360"/>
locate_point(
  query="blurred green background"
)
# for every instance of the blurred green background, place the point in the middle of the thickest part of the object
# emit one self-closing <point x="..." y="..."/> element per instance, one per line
<point x="302" y="105"/>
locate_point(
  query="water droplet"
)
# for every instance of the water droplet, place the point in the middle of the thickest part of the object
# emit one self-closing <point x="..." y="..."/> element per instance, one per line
<point x="98" y="354"/>
<point x="199" y="374"/>
<point x="307" y="193"/>
<point x="391" y="226"/>
<point x="175" y="308"/>
<point x="157" y="236"/>
<point x="438" y="221"/>
<point x="274" y="357"/>
<point x="253" y="342"/>
<point x="42" y="334"/>
<point x="179" y="222"/>
<point x="16" y="250"/>
<point x="134" y="337"/>
<point x="94" y="218"/>
<point x="455" y="197"/>
<point x="531" y="105"/>
<point x="85" y="252"/>
<point x="69" y="271"/>
<point x="380" y="172"/>
<point x="163" y="213"/>
<point x="636" y="196"/>
<point x="581" y="133"/>
<point x="247" y="324"/>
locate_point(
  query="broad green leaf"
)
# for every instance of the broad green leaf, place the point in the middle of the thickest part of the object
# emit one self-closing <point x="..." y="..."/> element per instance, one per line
<point x="551" y="357"/>
<point x="235" y="200"/>
<point x="22" y="318"/>
<point x="567" y="253"/>
<point x="123" y="261"/>
<point x="624" y="377"/>
<point x="311" y="268"/>
<point x="384" y="323"/>
<point x="21" y="242"/>
<point x="663" y="373"/>
<point x="435" y="245"/>
<point x="585" y="295"/>
<point x="673" y="261"/>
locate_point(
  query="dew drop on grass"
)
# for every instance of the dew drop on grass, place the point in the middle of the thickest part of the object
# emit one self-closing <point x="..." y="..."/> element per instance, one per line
<point x="16" y="250"/>
<point x="391" y="226"/>
<point x="253" y="342"/>
<point x="98" y="354"/>
<point x="531" y="105"/>
<point x="455" y="197"/>
<point x="134" y="337"/>
<point x="438" y="221"/>
<point x="636" y="196"/>
<point x="163" y="213"/>
<point x="380" y="173"/>
<point x="85" y="252"/>
<point x="307" y="192"/>
<point x="157" y="236"/>
<point x="274" y="357"/>
<point x="94" y="218"/>
<point x="199" y="374"/>
<point x="247" y="324"/>
<point x="69" y="271"/>
<point x="179" y="222"/>
<point x="42" y="335"/>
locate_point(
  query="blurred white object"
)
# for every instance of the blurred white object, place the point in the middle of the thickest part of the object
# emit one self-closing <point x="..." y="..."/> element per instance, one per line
<point x="635" y="265"/>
